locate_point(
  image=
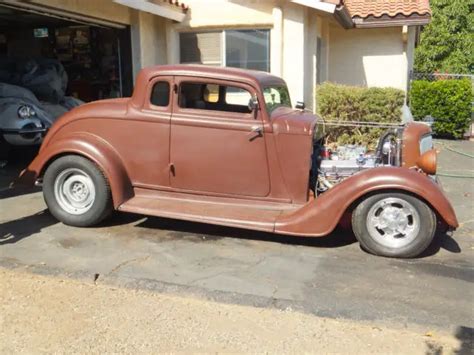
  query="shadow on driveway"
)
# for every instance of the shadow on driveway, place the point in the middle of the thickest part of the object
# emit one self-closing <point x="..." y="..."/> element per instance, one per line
<point x="206" y="232"/>
<point x="18" y="229"/>
<point x="17" y="191"/>
<point x="195" y="231"/>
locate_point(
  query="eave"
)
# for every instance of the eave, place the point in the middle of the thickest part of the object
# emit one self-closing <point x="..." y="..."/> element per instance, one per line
<point x="385" y="17"/>
<point x="391" y="21"/>
<point x="339" y="12"/>
<point x="168" y="9"/>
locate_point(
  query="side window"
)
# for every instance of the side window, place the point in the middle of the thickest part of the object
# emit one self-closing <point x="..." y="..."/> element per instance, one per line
<point x="214" y="97"/>
<point x="237" y="96"/>
<point x="211" y="93"/>
<point x="160" y="95"/>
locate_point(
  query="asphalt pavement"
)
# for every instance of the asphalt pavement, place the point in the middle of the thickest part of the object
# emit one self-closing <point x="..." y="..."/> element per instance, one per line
<point x="329" y="276"/>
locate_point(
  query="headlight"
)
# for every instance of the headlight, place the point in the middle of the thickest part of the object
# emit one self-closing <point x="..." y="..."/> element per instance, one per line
<point x="428" y="161"/>
<point x="426" y="143"/>
<point x="26" y="111"/>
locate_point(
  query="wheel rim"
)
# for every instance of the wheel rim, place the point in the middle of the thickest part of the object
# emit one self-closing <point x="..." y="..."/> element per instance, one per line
<point x="74" y="191"/>
<point x="393" y="222"/>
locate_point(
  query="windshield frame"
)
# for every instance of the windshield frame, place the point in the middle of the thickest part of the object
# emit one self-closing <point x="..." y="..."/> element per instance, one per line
<point x="268" y="105"/>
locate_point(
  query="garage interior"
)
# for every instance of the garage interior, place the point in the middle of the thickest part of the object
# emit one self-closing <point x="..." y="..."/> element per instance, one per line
<point x="96" y="57"/>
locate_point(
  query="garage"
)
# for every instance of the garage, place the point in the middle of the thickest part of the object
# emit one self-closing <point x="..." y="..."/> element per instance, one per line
<point x="58" y="54"/>
<point x="95" y="54"/>
<point x="51" y="62"/>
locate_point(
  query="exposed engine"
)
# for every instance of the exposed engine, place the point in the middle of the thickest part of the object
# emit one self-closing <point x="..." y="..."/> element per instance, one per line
<point x="330" y="167"/>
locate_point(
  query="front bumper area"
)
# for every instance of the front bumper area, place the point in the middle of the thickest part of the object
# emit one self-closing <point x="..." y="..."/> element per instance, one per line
<point x="23" y="131"/>
<point x="24" y="136"/>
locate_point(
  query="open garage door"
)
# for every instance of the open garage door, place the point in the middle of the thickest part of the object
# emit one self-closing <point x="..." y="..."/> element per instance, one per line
<point x="95" y="53"/>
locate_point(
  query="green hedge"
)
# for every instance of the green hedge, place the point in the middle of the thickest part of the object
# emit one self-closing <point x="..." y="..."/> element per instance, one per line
<point x="449" y="101"/>
<point x="353" y="103"/>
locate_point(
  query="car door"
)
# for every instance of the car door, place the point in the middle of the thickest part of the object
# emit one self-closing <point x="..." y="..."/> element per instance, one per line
<point x="144" y="141"/>
<point x="217" y="144"/>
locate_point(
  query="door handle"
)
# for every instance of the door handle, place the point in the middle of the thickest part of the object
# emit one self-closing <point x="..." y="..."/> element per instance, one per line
<point x="257" y="131"/>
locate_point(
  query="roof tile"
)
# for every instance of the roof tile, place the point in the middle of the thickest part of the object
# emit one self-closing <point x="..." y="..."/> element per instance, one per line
<point x="178" y="3"/>
<point x="378" y="8"/>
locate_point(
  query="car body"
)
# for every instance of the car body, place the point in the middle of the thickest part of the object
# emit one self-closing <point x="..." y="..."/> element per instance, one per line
<point x="24" y="119"/>
<point x="224" y="146"/>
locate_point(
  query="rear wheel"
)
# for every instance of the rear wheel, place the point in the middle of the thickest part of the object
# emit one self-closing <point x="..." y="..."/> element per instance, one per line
<point x="394" y="224"/>
<point x="76" y="191"/>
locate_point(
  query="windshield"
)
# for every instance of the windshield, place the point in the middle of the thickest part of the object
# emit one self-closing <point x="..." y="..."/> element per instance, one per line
<point x="276" y="96"/>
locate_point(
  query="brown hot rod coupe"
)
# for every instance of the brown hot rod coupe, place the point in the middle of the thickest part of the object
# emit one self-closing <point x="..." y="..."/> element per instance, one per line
<point x="224" y="146"/>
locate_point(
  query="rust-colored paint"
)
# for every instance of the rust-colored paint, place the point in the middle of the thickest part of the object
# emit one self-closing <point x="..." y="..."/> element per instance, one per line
<point x="411" y="143"/>
<point x="321" y="216"/>
<point x="210" y="166"/>
<point x="93" y="148"/>
<point x="224" y="146"/>
<point x="428" y="162"/>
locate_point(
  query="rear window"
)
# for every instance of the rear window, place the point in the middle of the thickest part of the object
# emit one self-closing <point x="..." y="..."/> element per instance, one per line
<point x="160" y="95"/>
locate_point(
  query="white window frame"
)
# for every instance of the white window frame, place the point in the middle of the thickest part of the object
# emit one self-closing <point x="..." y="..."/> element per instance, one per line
<point x="223" y="41"/>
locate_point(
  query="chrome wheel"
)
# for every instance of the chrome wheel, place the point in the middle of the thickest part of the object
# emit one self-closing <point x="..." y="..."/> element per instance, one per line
<point x="393" y="222"/>
<point x="74" y="191"/>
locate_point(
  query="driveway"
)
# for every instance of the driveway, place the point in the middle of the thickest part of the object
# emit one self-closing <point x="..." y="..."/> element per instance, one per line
<point x="329" y="277"/>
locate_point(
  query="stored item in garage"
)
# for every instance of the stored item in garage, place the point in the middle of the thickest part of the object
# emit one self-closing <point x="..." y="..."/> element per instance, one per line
<point x="23" y="119"/>
<point x="174" y="150"/>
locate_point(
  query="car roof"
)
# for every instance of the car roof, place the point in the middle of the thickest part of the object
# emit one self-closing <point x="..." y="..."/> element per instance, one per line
<point x="253" y="76"/>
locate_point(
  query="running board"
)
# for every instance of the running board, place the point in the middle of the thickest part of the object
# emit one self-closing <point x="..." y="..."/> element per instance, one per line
<point x="225" y="212"/>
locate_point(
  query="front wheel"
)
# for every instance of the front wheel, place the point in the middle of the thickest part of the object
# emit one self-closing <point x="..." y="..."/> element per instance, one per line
<point x="394" y="225"/>
<point x="76" y="191"/>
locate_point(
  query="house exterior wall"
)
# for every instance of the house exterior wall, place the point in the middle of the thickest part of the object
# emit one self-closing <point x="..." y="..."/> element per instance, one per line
<point x="148" y="40"/>
<point x="410" y="50"/>
<point x="368" y="57"/>
<point x="293" y="30"/>
<point x="225" y="13"/>
<point x="293" y="64"/>
<point x="208" y="15"/>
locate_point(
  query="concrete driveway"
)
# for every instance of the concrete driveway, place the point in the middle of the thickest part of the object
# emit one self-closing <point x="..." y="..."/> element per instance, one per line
<point x="329" y="276"/>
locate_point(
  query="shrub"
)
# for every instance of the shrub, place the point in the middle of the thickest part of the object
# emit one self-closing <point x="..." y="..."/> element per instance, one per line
<point x="448" y="101"/>
<point x="352" y="103"/>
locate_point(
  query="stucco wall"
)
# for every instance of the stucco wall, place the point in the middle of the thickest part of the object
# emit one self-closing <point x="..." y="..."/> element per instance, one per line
<point x="368" y="57"/>
<point x="228" y="13"/>
<point x="148" y="40"/>
<point x="292" y="37"/>
<point x="218" y="15"/>
<point x="293" y="69"/>
<point x="410" y="48"/>
<point x="300" y="29"/>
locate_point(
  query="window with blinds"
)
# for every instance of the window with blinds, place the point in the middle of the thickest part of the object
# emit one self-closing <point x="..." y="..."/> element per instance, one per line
<point x="202" y="48"/>
<point x="248" y="49"/>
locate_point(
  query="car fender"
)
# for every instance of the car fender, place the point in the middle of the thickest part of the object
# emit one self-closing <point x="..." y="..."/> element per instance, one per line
<point x="320" y="216"/>
<point x="89" y="146"/>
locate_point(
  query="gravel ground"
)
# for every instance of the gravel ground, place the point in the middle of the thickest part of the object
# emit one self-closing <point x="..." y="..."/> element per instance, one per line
<point x="51" y="314"/>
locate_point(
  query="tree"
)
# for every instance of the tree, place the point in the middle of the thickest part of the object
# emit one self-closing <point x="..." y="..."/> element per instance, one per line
<point x="446" y="44"/>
